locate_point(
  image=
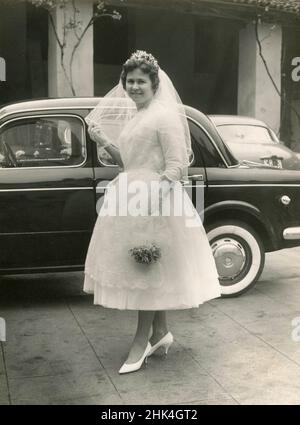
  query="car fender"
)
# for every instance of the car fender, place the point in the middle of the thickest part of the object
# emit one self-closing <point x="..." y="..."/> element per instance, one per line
<point x="247" y="212"/>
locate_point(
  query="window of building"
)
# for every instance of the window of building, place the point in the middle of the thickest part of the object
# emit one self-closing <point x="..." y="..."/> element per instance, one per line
<point x="111" y="38"/>
<point x="216" y="50"/>
<point x="24" y="46"/>
<point x="216" y="45"/>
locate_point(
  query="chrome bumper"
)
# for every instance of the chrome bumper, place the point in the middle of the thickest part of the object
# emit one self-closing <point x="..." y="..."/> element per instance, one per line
<point x="291" y="233"/>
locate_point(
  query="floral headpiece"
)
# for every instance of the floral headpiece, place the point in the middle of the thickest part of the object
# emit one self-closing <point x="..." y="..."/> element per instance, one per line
<point x="143" y="56"/>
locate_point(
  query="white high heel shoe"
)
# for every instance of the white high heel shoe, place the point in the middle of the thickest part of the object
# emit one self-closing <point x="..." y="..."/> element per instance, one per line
<point x="165" y="341"/>
<point x="132" y="367"/>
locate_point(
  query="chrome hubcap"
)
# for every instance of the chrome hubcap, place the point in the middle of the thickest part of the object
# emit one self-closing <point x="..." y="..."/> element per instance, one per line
<point x="230" y="257"/>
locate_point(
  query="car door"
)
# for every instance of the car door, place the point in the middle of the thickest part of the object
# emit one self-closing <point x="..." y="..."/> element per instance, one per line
<point x="206" y="156"/>
<point x="47" y="202"/>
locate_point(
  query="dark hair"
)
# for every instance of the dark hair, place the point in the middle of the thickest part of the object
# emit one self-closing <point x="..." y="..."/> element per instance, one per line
<point x="145" y="66"/>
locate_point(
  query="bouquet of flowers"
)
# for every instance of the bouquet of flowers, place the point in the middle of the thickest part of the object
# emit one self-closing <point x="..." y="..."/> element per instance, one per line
<point x="146" y="254"/>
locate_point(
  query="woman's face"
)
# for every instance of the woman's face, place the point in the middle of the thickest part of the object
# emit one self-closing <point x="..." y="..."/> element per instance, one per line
<point x="139" y="87"/>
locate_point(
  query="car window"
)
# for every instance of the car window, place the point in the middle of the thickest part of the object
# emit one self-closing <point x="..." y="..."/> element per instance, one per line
<point x="206" y="155"/>
<point x="106" y="159"/>
<point x="42" y="142"/>
<point x="237" y="133"/>
<point x="203" y="151"/>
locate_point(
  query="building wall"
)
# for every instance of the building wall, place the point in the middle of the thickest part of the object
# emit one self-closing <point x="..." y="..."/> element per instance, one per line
<point x="268" y="102"/>
<point x="257" y="96"/>
<point x="77" y="80"/>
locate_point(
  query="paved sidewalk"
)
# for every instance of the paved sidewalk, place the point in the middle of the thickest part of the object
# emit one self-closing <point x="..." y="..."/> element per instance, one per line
<point x="61" y="349"/>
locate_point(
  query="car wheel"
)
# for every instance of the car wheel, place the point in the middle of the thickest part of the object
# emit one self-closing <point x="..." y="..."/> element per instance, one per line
<point x="239" y="255"/>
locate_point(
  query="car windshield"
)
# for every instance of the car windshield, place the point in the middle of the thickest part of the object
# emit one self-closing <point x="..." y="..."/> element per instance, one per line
<point x="236" y="133"/>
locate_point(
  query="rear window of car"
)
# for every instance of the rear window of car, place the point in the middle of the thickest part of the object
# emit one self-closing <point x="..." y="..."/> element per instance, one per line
<point x="42" y="141"/>
<point x="205" y="152"/>
<point x="237" y="133"/>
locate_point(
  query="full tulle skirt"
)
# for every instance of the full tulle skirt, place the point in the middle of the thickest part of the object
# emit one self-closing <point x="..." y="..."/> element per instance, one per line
<point x="184" y="276"/>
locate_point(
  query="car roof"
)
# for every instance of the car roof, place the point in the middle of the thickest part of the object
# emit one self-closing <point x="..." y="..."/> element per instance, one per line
<point x="235" y="119"/>
<point x="67" y="102"/>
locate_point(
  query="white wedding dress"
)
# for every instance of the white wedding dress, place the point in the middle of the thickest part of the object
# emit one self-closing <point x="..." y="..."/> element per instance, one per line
<point x="185" y="276"/>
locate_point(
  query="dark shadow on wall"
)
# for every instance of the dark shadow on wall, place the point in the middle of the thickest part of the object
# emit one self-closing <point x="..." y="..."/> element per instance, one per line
<point x="24" y="46"/>
<point x="200" y="54"/>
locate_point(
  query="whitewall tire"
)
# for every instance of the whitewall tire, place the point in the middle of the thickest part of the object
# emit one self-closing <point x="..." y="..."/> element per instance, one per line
<point x="239" y="255"/>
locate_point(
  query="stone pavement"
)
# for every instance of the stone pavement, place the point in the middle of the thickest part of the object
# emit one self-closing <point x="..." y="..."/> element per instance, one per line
<point x="61" y="349"/>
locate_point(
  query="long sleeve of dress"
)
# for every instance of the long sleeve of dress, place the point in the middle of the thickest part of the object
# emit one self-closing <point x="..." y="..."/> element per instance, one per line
<point x="171" y="138"/>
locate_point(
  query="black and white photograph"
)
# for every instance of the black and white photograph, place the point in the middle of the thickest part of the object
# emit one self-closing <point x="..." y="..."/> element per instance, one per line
<point x="149" y="204"/>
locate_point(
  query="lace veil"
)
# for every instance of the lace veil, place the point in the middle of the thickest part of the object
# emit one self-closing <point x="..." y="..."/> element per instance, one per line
<point x="116" y="109"/>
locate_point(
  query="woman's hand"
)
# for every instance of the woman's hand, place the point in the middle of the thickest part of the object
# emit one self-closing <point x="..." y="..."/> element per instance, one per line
<point x="163" y="178"/>
<point x="165" y="185"/>
<point x="98" y="135"/>
<point x="159" y="204"/>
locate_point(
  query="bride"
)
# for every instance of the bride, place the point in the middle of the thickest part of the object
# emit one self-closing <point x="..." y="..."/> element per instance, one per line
<point x="143" y="254"/>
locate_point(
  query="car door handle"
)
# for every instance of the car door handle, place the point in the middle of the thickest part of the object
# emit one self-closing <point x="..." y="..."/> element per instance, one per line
<point x="195" y="177"/>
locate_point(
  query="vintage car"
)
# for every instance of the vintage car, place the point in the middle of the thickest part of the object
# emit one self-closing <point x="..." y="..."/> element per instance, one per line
<point x="50" y="186"/>
<point x="253" y="140"/>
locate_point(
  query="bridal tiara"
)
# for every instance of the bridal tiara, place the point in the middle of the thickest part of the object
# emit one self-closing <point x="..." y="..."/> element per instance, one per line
<point x="142" y="55"/>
